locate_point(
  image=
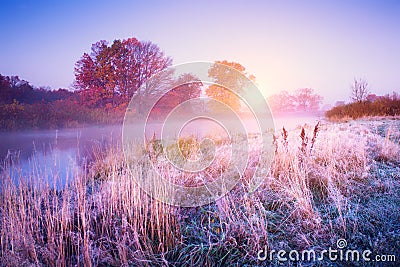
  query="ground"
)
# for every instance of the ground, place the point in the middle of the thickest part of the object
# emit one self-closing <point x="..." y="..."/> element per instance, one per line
<point x="339" y="181"/>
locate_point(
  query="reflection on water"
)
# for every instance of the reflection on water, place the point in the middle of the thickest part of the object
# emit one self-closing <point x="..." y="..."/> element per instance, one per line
<point x="53" y="153"/>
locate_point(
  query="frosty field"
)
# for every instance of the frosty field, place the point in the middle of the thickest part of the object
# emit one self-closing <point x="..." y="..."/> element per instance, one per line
<point x="335" y="181"/>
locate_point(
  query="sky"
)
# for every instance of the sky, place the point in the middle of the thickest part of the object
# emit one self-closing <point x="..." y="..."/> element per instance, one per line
<point x="287" y="45"/>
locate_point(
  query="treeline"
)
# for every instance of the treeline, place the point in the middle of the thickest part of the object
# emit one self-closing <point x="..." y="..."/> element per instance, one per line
<point x="23" y="106"/>
<point x="302" y="100"/>
<point x="388" y="105"/>
<point x="105" y="80"/>
<point x="12" y="88"/>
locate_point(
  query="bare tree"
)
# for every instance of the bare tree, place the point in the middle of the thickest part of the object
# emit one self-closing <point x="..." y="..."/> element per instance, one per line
<point x="359" y="90"/>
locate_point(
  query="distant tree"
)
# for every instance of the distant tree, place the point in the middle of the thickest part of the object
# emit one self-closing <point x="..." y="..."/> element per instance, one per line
<point x="110" y="75"/>
<point x="231" y="80"/>
<point x="307" y="100"/>
<point x="304" y="99"/>
<point x="4" y="81"/>
<point x="5" y="90"/>
<point x="23" y="106"/>
<point x="359" y="90"/>
<point x="13" y="88"/>
<point x="282" y="102"/>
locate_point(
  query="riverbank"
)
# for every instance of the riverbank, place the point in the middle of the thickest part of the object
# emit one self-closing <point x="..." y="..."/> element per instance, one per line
<point x="343" y="185"/>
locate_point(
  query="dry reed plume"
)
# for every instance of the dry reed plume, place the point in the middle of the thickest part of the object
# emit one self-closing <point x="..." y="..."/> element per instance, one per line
<point x="326" y="182"/>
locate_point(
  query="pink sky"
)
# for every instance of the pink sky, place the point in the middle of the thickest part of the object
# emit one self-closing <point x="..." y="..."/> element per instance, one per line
<point x="285" y="44"/>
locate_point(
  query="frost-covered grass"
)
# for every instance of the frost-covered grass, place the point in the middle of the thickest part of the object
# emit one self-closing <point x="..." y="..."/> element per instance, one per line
<point x="337" y="181"/>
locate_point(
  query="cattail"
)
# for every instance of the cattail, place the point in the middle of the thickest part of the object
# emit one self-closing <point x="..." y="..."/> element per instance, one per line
<point x="285" y="136"/>
<point x="314" y="138"/>
<point x="304" y="140"/>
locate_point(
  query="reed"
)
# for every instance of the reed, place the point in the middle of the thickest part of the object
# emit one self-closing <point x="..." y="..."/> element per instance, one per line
<point x="325" y="183"/>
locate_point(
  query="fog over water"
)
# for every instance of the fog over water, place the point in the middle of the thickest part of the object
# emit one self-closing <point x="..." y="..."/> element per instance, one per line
<point x="59" y="152"/>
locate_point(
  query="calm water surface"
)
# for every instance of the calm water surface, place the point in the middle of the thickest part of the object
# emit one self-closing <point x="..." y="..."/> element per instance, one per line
<point x="49" y="153"/>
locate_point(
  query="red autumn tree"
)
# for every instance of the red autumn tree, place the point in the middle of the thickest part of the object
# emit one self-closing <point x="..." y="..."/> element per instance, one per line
<point x="111" y="74"/>
<point x="184" y="88"/>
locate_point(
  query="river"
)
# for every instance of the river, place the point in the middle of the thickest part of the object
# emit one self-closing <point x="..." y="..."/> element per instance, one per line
<point x="51" y="153"/>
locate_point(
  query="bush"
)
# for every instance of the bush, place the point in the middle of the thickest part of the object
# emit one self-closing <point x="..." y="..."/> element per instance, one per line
<point x="56" y="114"/>
<point x="383" y="106"/>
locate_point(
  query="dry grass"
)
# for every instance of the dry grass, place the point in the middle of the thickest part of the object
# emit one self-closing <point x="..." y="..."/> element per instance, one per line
<point x="326" y="182"/>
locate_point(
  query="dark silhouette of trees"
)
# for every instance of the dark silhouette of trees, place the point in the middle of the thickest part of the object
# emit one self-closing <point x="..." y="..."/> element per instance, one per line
<point x="13" y="88"/>
<point x="23" y="106"/>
